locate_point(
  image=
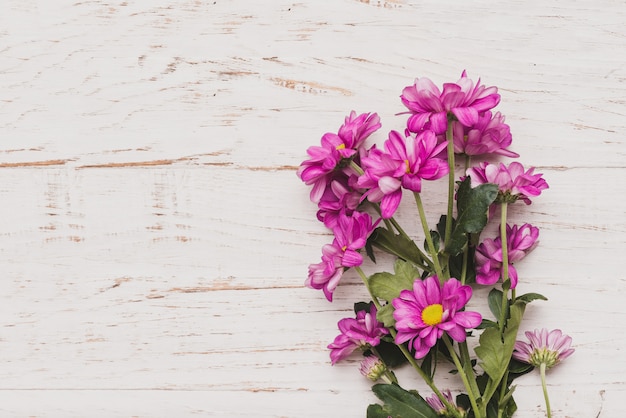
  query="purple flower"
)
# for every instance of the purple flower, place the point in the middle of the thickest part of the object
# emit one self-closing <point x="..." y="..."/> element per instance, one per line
<point x="372" y="368"/>
<point x="430" y="106"/>
<point x="489" y="135"/>
<point x="405" y="162"/>
<point x="545" y="347"/>
<point x="424" y="313"/>
<point x="341" y="196"/>
<point x="436" y="404"/>
<point x="351" y="235"/>
<point x="514" y="183"/>
<point x="361" y="332"/>
<point x="520" y="241"/>
<point x="334" y="148"/>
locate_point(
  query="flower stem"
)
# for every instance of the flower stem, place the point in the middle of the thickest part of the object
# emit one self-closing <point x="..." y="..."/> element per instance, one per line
<point x="429" y="238"/>
<point x="409" y="357"/>
<point x="450" y="139"/>
<point x="542" y="371"/>
<point x="505" y="265"/>
<point x="470" y="390"/>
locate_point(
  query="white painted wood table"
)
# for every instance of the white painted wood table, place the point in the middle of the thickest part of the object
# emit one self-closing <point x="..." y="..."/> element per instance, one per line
<point x="154" y="238"/>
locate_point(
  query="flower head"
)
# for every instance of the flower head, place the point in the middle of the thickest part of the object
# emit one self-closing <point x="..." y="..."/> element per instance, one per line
<point x="547" y="347"/>
<point x="435" y="403"/>
<point x="513" y="182"/>
<point x="405" y="162"/>
<point x="361" y="332"/>
<point x="341" y="196"/>
<point x="372" y="368"/>
<point x="430" y="106"/>
<point x="334" y="148"/>
<point x="351" y="234"/>
<point x="489" y="135"/>
<point x="424" y="313"/>
<point x="520" y="241"/>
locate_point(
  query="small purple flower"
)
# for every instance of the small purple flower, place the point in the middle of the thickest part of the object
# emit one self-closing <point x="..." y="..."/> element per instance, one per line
<point x="544" y="347"/>
<point x="489" y="135"/>
<point x="372" y="368"/>
<point x="405" y="162"/>
<point x="436" y="404"/>
<point x="424" y="313"/>
<point x="334" y="148"/>
<point x="430" y="106"/>
<point x="361" y="332"/>
<point x="351" y="235"/>
<point x="520" y="241"/>
<point x="514" y="183"/>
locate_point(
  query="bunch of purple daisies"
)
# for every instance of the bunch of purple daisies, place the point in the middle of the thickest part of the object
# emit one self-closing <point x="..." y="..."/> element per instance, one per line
<point x="420" y="309"/>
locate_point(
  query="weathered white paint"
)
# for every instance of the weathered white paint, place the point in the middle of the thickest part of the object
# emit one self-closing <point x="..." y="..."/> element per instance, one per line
<point x="154" y="238"/>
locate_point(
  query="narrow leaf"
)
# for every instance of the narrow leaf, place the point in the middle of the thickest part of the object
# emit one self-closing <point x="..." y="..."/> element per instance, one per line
<point x="397" y="245"/>
<point x="495" y="302"/>
<point x="529" y="297"/>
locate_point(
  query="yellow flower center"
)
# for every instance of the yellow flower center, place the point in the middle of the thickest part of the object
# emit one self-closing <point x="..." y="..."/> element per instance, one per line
<point x="432" y="314"/>
<point x="340" y="146"/>
<point x="408" y="167"/>
<point x="344" y="248"/>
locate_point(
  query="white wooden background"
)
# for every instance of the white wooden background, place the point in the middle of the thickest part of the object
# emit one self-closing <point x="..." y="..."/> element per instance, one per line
<point x="154" y="238"/>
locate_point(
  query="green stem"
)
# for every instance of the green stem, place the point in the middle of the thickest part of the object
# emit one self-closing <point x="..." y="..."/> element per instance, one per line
<point x="390" y="376"/>
<point x="429" y="238"/>
<point x="450" y="139"/>
<point x="470" y="391"/>
<point x="505" y="265"/>
<point x="464" y="267"/>
<point x="467" y="364"/>
<point x="356" y="168"/>
<point x="542" y="371"/>
<point x="408" y="355"/>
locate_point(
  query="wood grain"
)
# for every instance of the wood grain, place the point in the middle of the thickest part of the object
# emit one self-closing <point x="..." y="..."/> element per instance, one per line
<point x="154" y="238"/>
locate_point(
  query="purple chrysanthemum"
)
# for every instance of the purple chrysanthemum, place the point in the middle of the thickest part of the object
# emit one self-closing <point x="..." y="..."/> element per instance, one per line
<point x="430" y="106"/>
<point x="489" y="135"/>
<point x="436" y="404"/>
<point x="424" y="313"/>
<point x="513" y="182"/>
<point x="405" y="162"/>
<point x="547" y="347"/>
<point x="334" y="148"/>
<point x="520" y="241"/>
<point x="351" y="234"/>
<point x="361" y="332"/>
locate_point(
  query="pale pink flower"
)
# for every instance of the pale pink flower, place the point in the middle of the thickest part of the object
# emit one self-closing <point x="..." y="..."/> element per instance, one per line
<point x="513" y="182"/>
<point x="363" y="332"/>
<point x="405" y="162"/>
<point x="430" y="106"/>
<point x="335" y="148"/>
<point x="520" y="241"/>
<point x="424" y="313"/>
<point x="549" y="348"/>
<point x="372" y="368"/>
<point x="436" y="404"/>
<point x="489" y="135"/>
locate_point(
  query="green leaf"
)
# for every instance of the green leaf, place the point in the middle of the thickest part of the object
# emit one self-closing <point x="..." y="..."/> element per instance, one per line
<point x="495" y="350"/>
<point x="397" y="245"/>
<point x="362" y="306"/>
<point x="388" y="286"/>
<point x="495" y="303"/>
<point x="391" y="354"/>
<point x="529" y="297"/>
<point x="399" y="403"/>
<point x="376" y="411"/>
<point x="486" y="323"/>
<point x="472" y="207"/>
<point x="385" y="315"/>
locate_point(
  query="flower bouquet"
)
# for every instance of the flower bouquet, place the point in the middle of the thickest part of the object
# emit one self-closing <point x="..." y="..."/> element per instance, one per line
<point x="417" y="313"/>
